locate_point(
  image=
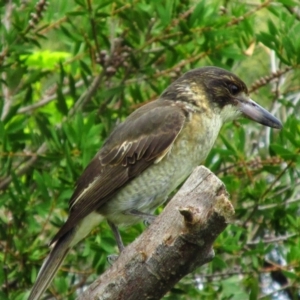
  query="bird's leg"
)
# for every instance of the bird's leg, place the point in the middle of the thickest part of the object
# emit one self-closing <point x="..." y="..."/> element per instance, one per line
<point x="113" y="257"/>
<point x="117" y="235"/>
<point x="148" y="218"/>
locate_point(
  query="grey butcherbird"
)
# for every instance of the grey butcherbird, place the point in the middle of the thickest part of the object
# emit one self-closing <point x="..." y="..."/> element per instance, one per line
<point x="147" y="156"/>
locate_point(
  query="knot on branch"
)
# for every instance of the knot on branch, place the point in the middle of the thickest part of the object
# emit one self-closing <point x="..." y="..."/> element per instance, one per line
<point x="190" y="214"/>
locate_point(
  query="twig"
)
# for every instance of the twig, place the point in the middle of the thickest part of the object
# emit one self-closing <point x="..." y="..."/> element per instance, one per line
<point x="237" y="20"/>
<point x="269" y="295"/>
<point x="87" y="96"/>
<point x="270" y="206"/>
<point x="25" y="167"/>
<point x="47" y="99"/>
<point x="272" y="240"/>
<point x="266" y="79"/>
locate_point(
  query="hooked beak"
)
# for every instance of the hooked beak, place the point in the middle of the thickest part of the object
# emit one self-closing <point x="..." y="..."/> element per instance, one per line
<point x="255" y="112"/>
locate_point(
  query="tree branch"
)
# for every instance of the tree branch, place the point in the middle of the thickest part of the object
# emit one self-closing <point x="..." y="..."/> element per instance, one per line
<point x="177" y="242"/>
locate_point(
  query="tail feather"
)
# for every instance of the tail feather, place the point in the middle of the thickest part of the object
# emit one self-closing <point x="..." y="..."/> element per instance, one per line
<point x="59" y="252"/>
<point x="51" y="265"/>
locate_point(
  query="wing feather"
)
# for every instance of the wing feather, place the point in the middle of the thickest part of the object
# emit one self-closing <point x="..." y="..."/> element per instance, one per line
<point x="144" y="138"/>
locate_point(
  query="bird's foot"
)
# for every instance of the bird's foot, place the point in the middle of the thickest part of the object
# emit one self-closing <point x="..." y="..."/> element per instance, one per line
<point x="147" y="218"/>
<point x="112" y="258"/>
<point x="147" y="222"/>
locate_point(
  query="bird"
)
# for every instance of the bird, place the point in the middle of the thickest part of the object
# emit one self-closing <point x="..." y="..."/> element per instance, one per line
<point x="149" y="155"/>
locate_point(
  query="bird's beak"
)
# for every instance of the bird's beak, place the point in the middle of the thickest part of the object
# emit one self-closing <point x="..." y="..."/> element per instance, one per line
<point x="255" y="112"/>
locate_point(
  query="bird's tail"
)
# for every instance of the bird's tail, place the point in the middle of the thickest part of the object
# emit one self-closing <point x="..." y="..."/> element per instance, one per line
<point x="51" y="265"/>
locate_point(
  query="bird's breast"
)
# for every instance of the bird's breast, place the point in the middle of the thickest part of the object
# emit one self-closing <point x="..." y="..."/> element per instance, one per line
<point x="152" y="187"/>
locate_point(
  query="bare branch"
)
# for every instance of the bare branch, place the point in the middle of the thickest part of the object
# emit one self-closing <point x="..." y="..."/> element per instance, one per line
<point x="267" y="79"/>
<point x="179" y="241"/>
<point x="87" y="96"/>
<point x="287" y="202"/>
<point x="271" y="240"/>
<point x="47" y="99"/>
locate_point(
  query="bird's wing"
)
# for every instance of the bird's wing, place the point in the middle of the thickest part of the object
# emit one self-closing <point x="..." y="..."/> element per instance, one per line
<point x="145" y="137"/>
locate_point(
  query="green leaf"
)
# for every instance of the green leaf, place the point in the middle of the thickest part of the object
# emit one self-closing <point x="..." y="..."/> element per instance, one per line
<point x="164" y="11"/>
<point x="283" y="152"/>
<point x="66" y="32"/>
<point x="41" y="184"/>
<point x="11" y="113"/>
<point x="85" y="67"/>
<point x="43" y="124"/>
<point x="293" y="138"/>
<point x="72" y="87"/>
<point x="230" y="146"/>
<point x="290" y="275"/>
<point x="272" y="28"/>
<point x="28" y="95"/>
<point x="268" y="40"/>
<point x="184" y="28"/>
<point x="76" y="13"/>
<point x="16" y="125"/>
<point x="102" y="5"/>
<point x="288" y="2"/>
<point x="219" y="263"/>
<point x="198" y="13"/>
<point x="254" y="290"/>
<point x="61" y="102"/>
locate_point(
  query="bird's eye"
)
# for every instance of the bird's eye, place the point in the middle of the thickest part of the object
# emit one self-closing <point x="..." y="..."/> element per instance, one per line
<point x="234" y="90"/>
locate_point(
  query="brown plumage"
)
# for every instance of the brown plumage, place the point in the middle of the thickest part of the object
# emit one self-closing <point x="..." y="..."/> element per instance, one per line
<point x="149" y="155"/>
<point x="131" y="148"/>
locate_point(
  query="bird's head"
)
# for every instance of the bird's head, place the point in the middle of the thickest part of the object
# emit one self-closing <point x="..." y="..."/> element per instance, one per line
<point x="216" y="90"/>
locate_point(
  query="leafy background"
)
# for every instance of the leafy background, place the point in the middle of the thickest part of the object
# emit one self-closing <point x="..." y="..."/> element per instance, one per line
<point x="71" y="70"/>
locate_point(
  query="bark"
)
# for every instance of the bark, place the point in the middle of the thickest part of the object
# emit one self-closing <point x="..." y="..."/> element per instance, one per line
<point x="177" y="242"/>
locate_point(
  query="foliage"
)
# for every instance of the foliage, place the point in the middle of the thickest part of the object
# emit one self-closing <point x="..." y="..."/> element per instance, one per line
<point x="71" y="70"/>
